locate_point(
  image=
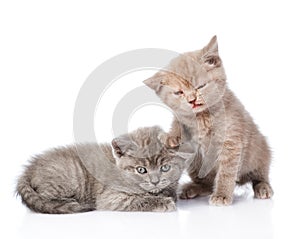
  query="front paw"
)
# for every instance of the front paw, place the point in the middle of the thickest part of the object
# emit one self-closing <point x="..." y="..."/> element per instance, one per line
<point x="220" y="200"/>
<point x="169" y="140"/>
<point x="170" y="193"/>
<point x="190" y="191"/>
<point x="193" y="190"/>
<point x="167" y="205"/>
<point x="171" y="206"/>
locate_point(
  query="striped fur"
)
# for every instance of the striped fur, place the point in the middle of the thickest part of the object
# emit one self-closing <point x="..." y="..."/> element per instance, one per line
<point x="86" y="177"/>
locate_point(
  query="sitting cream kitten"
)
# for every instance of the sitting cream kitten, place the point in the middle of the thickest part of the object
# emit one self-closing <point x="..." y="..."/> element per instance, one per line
<point x="230" y="148"/>
<point x="137" y="173"/>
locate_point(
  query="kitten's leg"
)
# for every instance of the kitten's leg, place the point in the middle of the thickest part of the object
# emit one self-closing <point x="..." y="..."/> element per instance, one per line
<point x="170" y="191"/>
<point x="119" y="201"/>
<point x="193" y="190"/>
<point x="229" y="162"/>
<point x="199" y="186"/>
<point x="262" y="190"/>
<point x="260" y="182"/>
<point x="173" y="137"/>
<point x="152" y="204"/>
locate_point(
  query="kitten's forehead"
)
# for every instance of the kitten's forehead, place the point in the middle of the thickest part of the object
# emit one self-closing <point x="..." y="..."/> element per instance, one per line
<point x="184" y="72"/>
<point x="154" y="161"/>
<point x="175" y="81"/>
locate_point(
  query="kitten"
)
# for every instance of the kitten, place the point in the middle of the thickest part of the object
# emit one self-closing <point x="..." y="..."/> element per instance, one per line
<point x="230" y="147"/>
<point x="135" y="173"/>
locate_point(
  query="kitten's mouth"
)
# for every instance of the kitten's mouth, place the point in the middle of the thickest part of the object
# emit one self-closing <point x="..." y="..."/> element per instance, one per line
<point x="197" y="105"/>
<point x="155" y="191"/>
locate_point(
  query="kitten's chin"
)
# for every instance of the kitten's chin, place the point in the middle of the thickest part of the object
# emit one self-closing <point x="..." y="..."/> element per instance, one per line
<point x="192" y="111"/>
<point x="199" y="109"/>
<point x="188" y="110"/>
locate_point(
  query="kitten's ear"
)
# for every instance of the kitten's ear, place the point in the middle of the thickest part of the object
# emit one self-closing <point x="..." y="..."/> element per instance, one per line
<point x="155" y="82"/>
<point x="119" y="145"/>
<point x="117" y="152"/>
<point x="211" y="55"/>
<point x="212" y="46"/>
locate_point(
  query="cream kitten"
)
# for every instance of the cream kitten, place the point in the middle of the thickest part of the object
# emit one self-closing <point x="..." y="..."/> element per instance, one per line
<point x="230" y="148"/>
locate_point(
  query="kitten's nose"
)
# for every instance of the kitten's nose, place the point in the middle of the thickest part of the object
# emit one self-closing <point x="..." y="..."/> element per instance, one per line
<point x="192" y="101"/>
<point x="154" y="181"/>
<point x="191" y="98"/>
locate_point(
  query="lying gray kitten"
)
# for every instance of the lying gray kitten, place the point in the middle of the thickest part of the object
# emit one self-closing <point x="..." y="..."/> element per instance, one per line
<point x="136" y="174"/>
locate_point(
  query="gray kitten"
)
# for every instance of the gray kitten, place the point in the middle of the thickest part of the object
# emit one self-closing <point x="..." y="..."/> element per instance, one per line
<point x="230" y="148"/>
<point x="136" y="174"/>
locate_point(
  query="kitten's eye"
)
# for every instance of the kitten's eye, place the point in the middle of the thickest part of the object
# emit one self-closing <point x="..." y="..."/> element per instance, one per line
<point x="165" y="168"/>
<point x="211" y="61"/>
<point x="201" y="86"/>
<point x="180" y="92"/>
<point x="141" y="170"/>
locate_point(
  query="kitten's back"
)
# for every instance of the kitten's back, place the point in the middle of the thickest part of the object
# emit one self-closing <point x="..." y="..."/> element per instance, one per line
<point x="57" y="181"/>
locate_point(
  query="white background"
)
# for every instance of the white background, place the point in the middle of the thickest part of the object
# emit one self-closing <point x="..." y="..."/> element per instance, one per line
<point x="48" y="49"/>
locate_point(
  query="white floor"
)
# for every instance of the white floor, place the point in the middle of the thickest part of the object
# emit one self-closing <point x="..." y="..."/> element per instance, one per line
<point x="246" y="218"/>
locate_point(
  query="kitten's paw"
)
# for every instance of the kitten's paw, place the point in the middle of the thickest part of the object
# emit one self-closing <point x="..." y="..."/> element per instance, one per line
<point x="220" y="200"/>
<point x="167" y="205"/>
<point x="171" y="207"/>
<point x="263" y="190"/>
<point x="169" y="141"/>
<point x="190" y="191"/>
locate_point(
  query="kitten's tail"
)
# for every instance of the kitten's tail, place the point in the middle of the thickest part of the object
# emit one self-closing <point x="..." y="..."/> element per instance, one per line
<point x="37" y="203"/>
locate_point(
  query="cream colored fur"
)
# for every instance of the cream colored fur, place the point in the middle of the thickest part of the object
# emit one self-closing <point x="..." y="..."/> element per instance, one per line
<point x="230" y="148"/>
